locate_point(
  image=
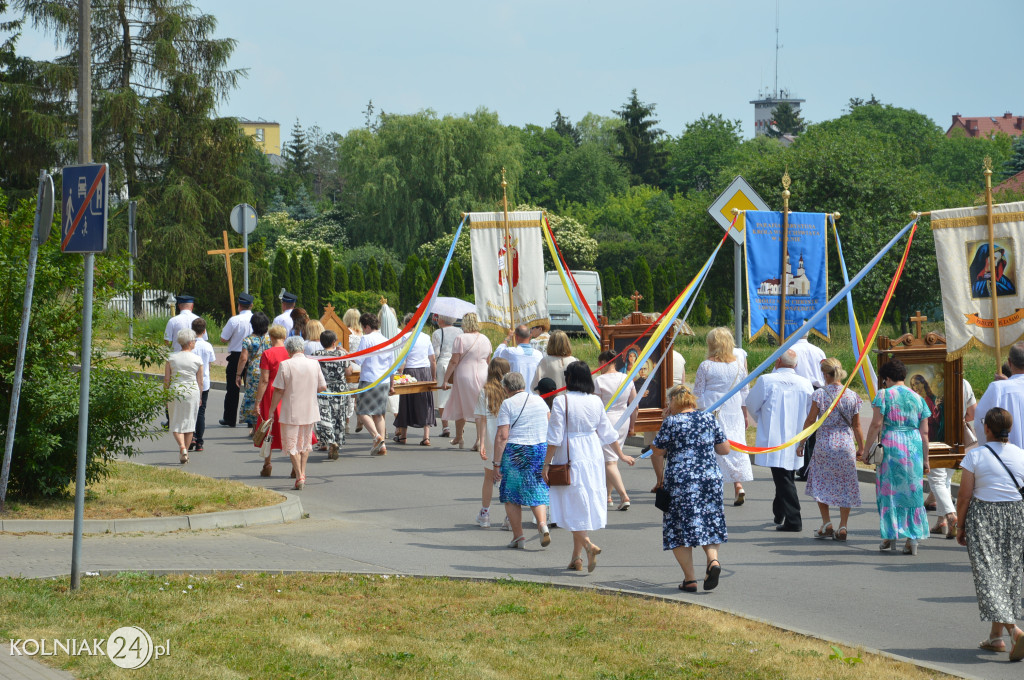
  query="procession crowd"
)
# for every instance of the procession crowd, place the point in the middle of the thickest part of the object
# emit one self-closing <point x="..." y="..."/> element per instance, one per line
<point x="550" y="433"/>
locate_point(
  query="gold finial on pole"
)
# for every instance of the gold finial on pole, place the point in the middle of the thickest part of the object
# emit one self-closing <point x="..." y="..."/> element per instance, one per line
<point x="783" y="277"/>
<point x="993" y="288"/>
<point x="508" y="253"/>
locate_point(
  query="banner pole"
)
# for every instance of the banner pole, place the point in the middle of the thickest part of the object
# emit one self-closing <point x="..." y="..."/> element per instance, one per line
<point x="993" y="287"/>
<point x="737" y="299"/>
<point x="508" y="253"/>
<point x="785" y="256"/>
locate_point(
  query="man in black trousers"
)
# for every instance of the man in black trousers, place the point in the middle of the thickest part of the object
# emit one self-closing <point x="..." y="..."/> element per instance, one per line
<point x="237" y="329"/>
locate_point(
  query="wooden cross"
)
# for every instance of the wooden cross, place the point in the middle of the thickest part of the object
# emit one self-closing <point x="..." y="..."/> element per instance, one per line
<point x="918" y="320"/>
<point x="636" y="297"/>
<point x="227" y="252"/>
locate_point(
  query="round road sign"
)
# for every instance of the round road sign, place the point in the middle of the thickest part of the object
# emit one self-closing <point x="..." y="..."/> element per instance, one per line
<point x="243" y="218"/>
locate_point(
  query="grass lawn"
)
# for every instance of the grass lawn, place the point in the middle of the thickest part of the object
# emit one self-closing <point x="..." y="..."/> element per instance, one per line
<point x="341" y="626"/>
<point x="133" y="490"/>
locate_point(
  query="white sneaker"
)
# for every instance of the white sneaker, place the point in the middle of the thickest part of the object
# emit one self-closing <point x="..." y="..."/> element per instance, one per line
<point x="483" y="520"/>
<point x="506" y="525"/>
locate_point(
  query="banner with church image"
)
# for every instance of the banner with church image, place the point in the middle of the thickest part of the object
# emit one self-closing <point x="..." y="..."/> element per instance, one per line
<point x="498" y="265"/>
<point x="805" y="278"/>
<point x="965" y="276"/>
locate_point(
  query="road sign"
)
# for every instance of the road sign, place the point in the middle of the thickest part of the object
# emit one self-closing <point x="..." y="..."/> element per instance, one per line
<point x="83" y="220"/>
<point x="44" y="217"/>
<point x="243" y="218"/>
<point x="741" y="196"/>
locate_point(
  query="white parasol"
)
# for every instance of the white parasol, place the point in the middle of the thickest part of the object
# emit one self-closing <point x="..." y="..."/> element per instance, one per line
<point x="453" y="307"/>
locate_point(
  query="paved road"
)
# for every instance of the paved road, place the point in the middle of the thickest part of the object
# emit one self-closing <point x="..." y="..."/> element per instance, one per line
<point x="412" y="511"/>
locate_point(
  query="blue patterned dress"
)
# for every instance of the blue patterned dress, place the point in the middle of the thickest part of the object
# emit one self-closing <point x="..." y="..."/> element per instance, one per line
<point x="898" y="485"/>
<point x="693" y="479"/>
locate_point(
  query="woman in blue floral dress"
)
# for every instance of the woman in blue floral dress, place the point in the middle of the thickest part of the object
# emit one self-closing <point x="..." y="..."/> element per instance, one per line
<point x="689" y="440"/>
<point x="249" y="363"/>
<point x="901" y="415"/>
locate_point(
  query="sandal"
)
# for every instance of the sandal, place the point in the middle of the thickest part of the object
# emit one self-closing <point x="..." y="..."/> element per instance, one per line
<point x="824" y="531"/>
<point x="711" y="577"/>
<point x="741" y="498"/>
<point x="425" y="442"/>
<point x="445" y="433"/>
<point x="299" y="483"/>
<point x="265" y="471"/>
<point x="397" y="439"/>
<point x="1017" y="651"/>
<point x="993" y="645"/>
<point x="840" y="534"/>
<point x="688" y="586"/>
<point x="383" y="450"/>
<point x="376" y="446"/>
<point x="183" y="456"/>
<point x="592" y="552"/>
<point x="576" y="564"/>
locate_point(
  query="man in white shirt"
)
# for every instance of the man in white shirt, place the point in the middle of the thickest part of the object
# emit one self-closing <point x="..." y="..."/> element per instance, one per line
<point x="237" y="329"/>
<point x="523" y="358"/>
<point x="180" y="322"/>
<point x="779" y="402"/>
<point x="808" y="362"/>
<point x="288" y="301"/>
<point x="539" y="337"/>
<point x="204" y="351"/>
<point x="1007" y="394"/>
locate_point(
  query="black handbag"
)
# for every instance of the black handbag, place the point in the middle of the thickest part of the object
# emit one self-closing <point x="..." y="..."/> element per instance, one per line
<point x="662" y="498"/>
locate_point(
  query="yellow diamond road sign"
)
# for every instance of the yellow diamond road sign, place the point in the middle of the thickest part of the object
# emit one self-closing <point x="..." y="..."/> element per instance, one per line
<point x="740" y="196"/>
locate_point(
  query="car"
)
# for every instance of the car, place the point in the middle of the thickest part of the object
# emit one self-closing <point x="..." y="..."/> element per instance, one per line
<point x="560" y="310"/>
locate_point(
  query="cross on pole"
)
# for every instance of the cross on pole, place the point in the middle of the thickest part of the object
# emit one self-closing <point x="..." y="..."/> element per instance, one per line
<point x="919" y="319"/>
<point x="636" y="297"/>
<point x="227" y="252"/>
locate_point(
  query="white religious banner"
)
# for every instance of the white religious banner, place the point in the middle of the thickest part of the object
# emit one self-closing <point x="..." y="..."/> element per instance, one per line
<point x="962" y="251"/>
<point x="501" y="266"/>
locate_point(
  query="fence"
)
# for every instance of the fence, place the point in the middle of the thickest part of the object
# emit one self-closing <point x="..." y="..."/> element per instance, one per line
<point x="155" y="303"/>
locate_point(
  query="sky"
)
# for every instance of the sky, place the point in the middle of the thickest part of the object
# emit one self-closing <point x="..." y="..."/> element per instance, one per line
<point x="321" y="61"/>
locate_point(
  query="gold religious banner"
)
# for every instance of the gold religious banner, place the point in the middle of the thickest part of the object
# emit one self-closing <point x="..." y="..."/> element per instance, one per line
<point x="227" y="252"/>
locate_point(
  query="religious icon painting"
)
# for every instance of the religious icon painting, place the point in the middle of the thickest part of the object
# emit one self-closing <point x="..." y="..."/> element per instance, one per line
<point x="929" y="381"/>
<point x="980" y="272"/>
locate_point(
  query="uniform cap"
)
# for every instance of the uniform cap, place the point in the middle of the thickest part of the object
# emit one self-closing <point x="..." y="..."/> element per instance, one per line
<point x="184" y="299"/>
<point x="289" y="297"/>
<point x="245" y="299"/>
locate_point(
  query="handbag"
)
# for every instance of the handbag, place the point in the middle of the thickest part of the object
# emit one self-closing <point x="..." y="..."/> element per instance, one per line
<point x="1020" y="489"/>
<point x="875" y="454"/>
<point x="662" y="499"/>
<point x="262" y="432"/>
<point x="558" y="475"/>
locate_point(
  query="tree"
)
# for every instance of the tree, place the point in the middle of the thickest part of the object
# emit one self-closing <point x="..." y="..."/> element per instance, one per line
<point x="644" y="283"/>
<point x="303" y="208"/>
<point x="268" y="301"/>
<point x="1016" y="162"/>
<point x="610" y="283"/>
<point x="859" y="101"/>
<point x="407" y="285"/>
<point x="588" y="174"/>
<point x="786" y="120"/>
<point x="643" y="153"/>
<point x="340" y="277"/>
<point x="309" y="296"/>
<point x="626" y="284"/>
<point x="663" y="287"/>
<point x="355" y="277"/>
<point x="280" y="275"/>
<point x="458" y="282"/>
<point x="295" y="276"/>
<point x="388" y="278"/>
<point x="698" y="156"/>
<point x="296" y="152"/>
<point x="158" y="76"/>
<point x="564" y="127"/>
<point x="371" y="275"/>
<point x="325" y="277"/>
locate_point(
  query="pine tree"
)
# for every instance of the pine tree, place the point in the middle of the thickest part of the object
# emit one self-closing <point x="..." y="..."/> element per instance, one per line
<point x="663" y="292"/>
<point x="267" y="297"/>
<point x="448" y="285"/>
<point x="295" y="276"/>
<point x="644" y="283"/>
<point x="786" y="120"/>
<point x="610" y="283"/>
<point x="388" y="278"/>
<point x="1016" y="162"/>
<point x="372" y="275"/>
<point x="302" y="209"/>
<point x="458" y="282"/>
<point x="407" y="286"/>
<point x="340" y="277"/>
<point x="626" y="285"/>
<point x="643" y="152"/>
<point x="564" y="127"/>
<point x="296" y="152"/>
<point x="355" y="277"/>
<point x="281" y="277"/>
<point x="325" y="277"/>
<point x="310" y="297"/>
<point x="428" y="280"/>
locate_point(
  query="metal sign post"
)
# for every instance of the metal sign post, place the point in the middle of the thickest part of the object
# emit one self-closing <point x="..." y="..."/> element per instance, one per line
<point x="729" y="206"/>
<point x="40" y="232"/>
<point x="243" y="221"/>
<point x="132" y="254"/>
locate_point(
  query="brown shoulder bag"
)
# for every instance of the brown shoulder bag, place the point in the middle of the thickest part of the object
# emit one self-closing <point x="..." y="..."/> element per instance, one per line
<point x="558" y="475"/>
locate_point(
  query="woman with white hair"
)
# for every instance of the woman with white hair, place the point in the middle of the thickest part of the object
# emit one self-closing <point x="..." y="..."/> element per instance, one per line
<point x="183" y="375"/>
<point x="296" y="385"/>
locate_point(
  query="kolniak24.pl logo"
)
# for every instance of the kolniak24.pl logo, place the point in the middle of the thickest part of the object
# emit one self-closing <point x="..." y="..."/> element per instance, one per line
<point x="127" y="647"/>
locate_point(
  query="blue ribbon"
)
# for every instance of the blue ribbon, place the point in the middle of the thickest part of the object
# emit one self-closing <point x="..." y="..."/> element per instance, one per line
<point x="849" y="312"/>
<point x="815" y="318"/>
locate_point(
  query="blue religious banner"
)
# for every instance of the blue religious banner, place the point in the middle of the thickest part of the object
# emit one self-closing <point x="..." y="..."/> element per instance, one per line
<point x="804" y="278"/>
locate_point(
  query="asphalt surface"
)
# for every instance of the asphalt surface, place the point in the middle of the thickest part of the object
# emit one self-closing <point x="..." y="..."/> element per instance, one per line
<point x="413" y="511"/>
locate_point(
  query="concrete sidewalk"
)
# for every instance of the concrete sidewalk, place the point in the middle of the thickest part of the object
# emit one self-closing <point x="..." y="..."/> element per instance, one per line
<point x="412" y="512"/>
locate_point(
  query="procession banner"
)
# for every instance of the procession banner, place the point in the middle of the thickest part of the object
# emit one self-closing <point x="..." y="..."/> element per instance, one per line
<point x="524" y="273"/>
<point x="805" y="279"/>
<point x="962" y="251"/>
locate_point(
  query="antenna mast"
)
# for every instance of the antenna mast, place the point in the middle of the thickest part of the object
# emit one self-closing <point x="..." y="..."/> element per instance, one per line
<point x="777" y="49"/>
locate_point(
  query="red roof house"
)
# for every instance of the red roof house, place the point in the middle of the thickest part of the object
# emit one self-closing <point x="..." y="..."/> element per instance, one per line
<point x="983" y="126"/>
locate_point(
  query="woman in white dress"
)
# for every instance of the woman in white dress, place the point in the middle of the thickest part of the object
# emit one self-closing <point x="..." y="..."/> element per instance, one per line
<point x="183" y="375"/>
<point x="716" y="375"/>
<point x="576" y="431"/>
<point x="443" y="340"/>
<point x="605" y="386"/>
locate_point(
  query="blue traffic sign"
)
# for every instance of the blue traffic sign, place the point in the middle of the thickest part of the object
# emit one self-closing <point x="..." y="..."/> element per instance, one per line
<point x="83" y="220"/>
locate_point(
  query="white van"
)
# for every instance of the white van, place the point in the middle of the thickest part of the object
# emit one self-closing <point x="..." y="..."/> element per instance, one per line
<point x="560" y="310"/>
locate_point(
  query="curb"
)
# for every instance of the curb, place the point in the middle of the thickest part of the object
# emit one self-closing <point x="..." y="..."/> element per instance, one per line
<point x="287" y="511"/>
